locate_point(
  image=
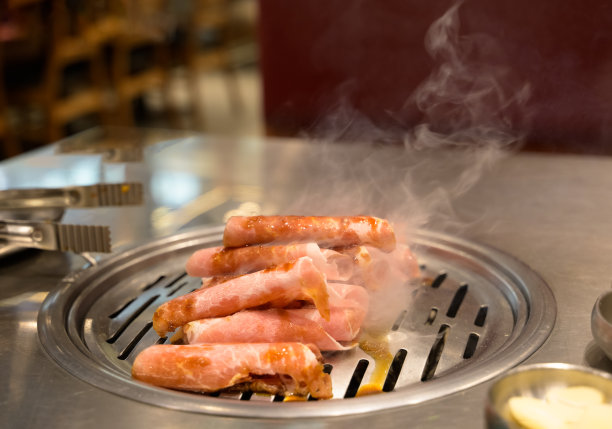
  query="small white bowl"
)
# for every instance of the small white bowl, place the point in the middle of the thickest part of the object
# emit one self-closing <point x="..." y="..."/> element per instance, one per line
<point x="601" y="323"/>
<point x="537" y="381"/>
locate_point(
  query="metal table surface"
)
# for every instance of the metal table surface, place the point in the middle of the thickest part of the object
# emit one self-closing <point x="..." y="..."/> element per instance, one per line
<point x="550" y="211"/>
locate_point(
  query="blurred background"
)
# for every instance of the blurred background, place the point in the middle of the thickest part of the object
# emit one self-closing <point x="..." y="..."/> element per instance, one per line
<point x="69" y="65"/>
<point x="282" y="68"/>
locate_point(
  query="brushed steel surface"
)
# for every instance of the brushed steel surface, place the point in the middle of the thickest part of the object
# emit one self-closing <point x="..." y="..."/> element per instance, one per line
<point x="550" y="211"/>
<point x="100" y="319"/>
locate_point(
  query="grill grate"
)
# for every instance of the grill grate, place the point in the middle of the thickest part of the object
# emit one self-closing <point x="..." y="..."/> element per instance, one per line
<point x="138" y="312"/>
<point x="470" y="318"/>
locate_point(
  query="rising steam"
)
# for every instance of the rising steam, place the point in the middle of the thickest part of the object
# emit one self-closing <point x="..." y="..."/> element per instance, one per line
<point x="473" y="110"/>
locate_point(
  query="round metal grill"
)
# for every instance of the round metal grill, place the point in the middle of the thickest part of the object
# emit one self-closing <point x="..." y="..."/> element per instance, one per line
<point x="477" y="313"/>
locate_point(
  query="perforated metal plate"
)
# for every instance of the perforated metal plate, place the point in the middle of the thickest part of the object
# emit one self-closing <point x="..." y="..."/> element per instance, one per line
<point x="476" y="313"/>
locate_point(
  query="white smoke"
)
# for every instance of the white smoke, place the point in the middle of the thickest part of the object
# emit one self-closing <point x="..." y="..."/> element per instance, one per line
<point x="473" y="109"/>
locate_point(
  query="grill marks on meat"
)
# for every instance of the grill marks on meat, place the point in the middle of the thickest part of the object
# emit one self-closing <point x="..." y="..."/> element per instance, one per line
<point x="220" y="261"/>
<point x="280" y="368"/>
<point x="276" y="287"/>
<point x="327" y="231"/>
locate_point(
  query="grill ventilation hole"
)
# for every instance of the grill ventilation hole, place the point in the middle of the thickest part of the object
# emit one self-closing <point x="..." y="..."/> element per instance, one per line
<point x="434" y="354"/>
<point x="128" y="349"/>
<point x="457" y="300"/>
<point x="470" y="347"/>
<point x="130" y="319"/>
<point x="394" y="370"/>
<point x="481" y="316"/>
<point x="432" y="316"/>
<point x="153" y="284"/>
<point x="438" y="280"/>
<point x="399" y="320"/>
<point x="353" y="386"/>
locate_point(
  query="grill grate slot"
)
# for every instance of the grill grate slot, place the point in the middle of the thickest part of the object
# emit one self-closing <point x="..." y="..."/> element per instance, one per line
<point x="435" y="353"/>
<point x="394" y="370"/>
<point x="246" y="396"/>
<point x="356" y="379"/>
<point x="431" y="317"/>
<point x="457" y="301"/>
<point x="128" y="349"/>
<point x="153" y="284"/>
<point x="130" y="319"/>
<point x="481" y="317"/>
<point x="175" y="279"/>
<point x="470" y="347"/>
<point x="437" y="282"/>
<point x="399" y="320"/>
<point x="121" y="309"/>
<point x="176" y="289"/>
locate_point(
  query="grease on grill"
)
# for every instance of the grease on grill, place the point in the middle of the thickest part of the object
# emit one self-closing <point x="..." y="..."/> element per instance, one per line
<point x="377" y="347"/>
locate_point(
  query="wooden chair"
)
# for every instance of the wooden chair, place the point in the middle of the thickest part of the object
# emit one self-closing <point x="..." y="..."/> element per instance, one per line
<point x="73" y="39"/>
<point x="143" y="30"/>
<point x="10" y="145"/>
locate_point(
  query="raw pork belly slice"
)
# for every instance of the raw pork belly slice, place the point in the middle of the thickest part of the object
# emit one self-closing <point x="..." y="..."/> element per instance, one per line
<point x="284" y="368"/>
<point x="327" y="231"/>
<point x="277" y="287"/>
<point x="219" y="261"/>
<point x="349" y="306"/>
<point x="262" y="326"/>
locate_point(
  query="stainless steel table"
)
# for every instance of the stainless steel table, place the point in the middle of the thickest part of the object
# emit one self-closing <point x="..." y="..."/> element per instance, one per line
<point x="550" y="211"/>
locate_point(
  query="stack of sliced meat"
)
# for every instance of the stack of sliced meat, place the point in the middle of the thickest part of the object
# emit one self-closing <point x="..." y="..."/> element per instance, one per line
<point x="280" y="290"/>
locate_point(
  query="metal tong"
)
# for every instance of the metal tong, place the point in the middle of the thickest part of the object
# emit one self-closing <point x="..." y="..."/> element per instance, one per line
<point x="100" y="195"/>
<point x="27" y="222"/>
<point x="56" y="236"/>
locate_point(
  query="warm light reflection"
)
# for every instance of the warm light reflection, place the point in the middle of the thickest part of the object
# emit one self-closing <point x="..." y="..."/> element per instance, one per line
<point x="27" y="325"/>
<point x="165" y="221"/>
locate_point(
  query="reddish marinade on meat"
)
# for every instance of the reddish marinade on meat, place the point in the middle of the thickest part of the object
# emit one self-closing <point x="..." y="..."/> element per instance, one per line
<point x="277" y="368"/>
<point x="327" y="231"/>
<point x="277" y="287"/>
<point x="220" y="261"/>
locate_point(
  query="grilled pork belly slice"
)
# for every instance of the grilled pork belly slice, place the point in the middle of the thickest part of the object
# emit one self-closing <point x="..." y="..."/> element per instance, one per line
<point x="277" y="287"/>
<point x="277" y="368"/>
<point x="264" y="326"/>
<point x="327" y="231"/>
<point x="348" y="308"/>
<point x="220" y="261"/>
